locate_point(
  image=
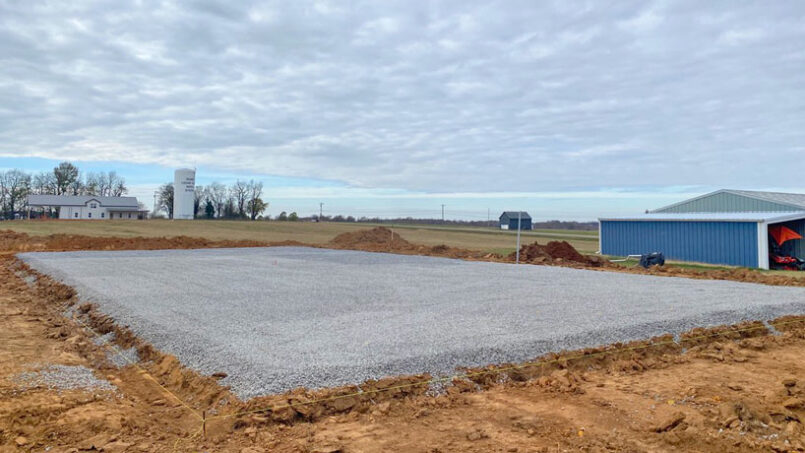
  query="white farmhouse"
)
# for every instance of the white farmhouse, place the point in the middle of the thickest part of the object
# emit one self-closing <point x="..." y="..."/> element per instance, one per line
<point x="89" y="206"/>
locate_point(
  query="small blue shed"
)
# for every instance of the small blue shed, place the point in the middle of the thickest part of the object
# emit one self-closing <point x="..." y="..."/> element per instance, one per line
<point x="724" y="227"/>
<point x="509" y="220"/>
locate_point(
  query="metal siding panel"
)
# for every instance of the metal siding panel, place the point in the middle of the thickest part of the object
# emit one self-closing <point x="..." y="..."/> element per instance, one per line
<point x="728" y="202"/>
<point x="732" y="243"/>
<point x="799" y="249"/>
<point x="523" y="223"/>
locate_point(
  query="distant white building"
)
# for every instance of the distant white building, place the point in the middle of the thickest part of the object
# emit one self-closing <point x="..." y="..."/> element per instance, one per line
<point x="89" y="206"/>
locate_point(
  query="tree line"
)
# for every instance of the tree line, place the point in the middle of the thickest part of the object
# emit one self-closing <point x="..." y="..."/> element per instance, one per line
<point x="65" y="179"/>
<point x="548" y="225"/>
<point x="241" y="200"/>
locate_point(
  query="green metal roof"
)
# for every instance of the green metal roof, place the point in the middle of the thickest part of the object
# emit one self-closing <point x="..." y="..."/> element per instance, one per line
<point x="727" y="200"/>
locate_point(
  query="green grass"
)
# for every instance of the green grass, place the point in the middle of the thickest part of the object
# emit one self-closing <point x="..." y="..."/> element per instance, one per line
<point x="472" y="238"/>
<point x="711" y="267"/>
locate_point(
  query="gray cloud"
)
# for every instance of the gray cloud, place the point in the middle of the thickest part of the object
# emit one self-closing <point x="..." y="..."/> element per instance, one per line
<point x="441" y="96"/>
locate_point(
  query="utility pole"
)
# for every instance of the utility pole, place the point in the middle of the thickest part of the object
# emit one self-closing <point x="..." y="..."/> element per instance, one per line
<point x="321" y="210"/>
<point x="488" y="216"/>
<point x="519" y="216"/>
<point x="442" y="213"/>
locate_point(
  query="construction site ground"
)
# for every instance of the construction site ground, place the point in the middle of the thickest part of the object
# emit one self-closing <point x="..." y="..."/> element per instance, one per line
<point x="64" y="388"/>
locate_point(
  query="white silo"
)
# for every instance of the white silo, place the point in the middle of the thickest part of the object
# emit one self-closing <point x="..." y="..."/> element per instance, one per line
<point x="184" y="187"/>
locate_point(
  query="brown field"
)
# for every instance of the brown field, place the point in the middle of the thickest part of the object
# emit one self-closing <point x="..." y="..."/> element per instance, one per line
<point x="481" y="239"/>
<point x="729" y="389"/>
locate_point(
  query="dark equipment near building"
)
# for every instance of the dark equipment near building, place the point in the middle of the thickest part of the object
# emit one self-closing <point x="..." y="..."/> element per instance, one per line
<point x="652" y="259"/>
<point x="778" y="259"/>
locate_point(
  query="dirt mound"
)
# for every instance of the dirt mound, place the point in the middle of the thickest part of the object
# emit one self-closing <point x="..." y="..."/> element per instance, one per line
<point x="11" y="241"/>
<point x="378" y="237"/>
<point x="533" y="253"/>
<point x="565" y="251"/>
<point x="555" y="252"/>
<point x="382" y="239"/>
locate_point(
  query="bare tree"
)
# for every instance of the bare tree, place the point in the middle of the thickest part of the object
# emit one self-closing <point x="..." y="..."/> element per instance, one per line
<point x="117" y="185"/>
<point x="91" y="184"/>
<point x="199" y="195"/>
<point x="216" y="192"/>
<point x="65" y="174"/>
<point x="16" y="185"/>
<point x="44" y="183"/>
<point x="77" y="187"/>
<point x="3" y="193"/>
<point x="255" y="205"/>
<point x="240" y="192"/>
<point x="105" y="184"/>
<point x="165" y="198"/>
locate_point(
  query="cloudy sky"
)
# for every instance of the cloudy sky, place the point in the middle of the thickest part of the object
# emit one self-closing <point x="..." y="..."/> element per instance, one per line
<point x="567" y="109"/>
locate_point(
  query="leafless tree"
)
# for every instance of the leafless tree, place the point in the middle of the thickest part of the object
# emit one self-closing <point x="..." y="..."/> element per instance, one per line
<point x="3" y="192"/>
<point x="15" y="185"/>
<point x="240" y="192"/>
<point x="105" y="184"/>
<point x="76" y="187"/>
<point x="117" y="184"/>
<point x="216" y="192"/>
<point x="255" y="205"/>
<point x="165" y="198"/>
<point x="91" y="184"/>
<point x="44" y="183"/>
<point x="65" y="175"/>
<point x="199" y="195"/>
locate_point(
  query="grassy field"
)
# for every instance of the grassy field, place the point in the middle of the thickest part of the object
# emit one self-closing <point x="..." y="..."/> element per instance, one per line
<point x="472" y="238"/>
<point x="715" y="267"/>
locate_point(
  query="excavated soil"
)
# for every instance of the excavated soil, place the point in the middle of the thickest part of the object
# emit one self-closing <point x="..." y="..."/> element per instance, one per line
<point x="382" y="239"/>
<point x="379" y="237"/>
<point x="11" y="241"/>
<point x="556" y="252"/>
<point x="732" y="388"/>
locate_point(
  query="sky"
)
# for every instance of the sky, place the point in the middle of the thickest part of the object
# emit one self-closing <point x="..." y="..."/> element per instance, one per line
<point x="566" y="109"/>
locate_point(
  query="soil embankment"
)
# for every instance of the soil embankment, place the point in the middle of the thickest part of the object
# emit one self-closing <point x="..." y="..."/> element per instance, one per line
<point x="735" y="388"/>
<point x="11" y="241"/>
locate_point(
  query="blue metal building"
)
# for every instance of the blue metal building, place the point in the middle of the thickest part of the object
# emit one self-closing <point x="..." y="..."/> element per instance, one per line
<point x="509" y="219"/>
<point x="725" y="227"/>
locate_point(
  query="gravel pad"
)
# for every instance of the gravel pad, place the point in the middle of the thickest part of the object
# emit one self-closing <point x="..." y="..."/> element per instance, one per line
<point x="281" y="317"/>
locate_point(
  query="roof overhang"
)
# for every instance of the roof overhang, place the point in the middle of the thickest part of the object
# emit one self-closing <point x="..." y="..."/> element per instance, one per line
<point x="125" y="209"/>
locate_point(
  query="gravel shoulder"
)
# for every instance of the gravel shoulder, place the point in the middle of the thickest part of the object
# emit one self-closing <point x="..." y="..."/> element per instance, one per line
<point x="282" y="317"/>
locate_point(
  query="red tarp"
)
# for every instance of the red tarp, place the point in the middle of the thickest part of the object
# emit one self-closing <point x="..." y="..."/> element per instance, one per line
<point x="782" y="234"/>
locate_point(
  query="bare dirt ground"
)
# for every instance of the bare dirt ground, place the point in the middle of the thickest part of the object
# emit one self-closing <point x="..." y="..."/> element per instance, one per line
<point x="738" y="388"/>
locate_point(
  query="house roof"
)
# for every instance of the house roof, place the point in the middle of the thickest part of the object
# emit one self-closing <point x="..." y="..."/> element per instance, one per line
<point x="81" y="200"/>
<point x="513" y="215"/>
<point x="795" y="200"/>
<point x="766" y="217"/>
